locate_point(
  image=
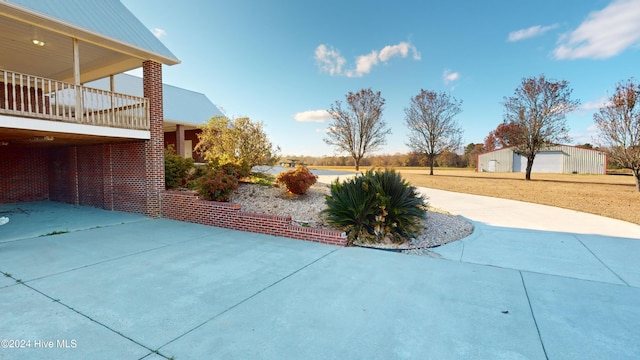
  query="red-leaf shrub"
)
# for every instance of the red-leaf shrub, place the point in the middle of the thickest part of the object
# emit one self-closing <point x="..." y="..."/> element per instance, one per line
<point x="217" y="185"/>
<point x="297" y="181"/>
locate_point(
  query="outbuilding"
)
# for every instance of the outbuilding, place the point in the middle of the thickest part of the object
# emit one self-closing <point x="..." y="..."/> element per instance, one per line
<point x="560" y="159"/>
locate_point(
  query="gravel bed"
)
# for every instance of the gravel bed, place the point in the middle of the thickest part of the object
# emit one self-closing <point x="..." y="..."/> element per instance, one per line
<point x="440" y="226"/>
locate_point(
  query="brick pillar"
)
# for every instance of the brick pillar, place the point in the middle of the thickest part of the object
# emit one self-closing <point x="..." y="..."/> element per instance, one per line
<point x="154" y="148"/>
<point x="180" y="140"/>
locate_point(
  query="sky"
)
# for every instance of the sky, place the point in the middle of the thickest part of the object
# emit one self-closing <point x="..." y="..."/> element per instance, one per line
<point x="286" y="62"/>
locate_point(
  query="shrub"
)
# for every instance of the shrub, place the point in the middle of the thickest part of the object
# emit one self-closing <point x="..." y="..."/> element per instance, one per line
<point x="176" y="168"/>
<point x="351" y="207"/>
<point x="236" y="170"/>
<point x="195" y="174"/>
<point x="403" y="210"/>
<point x="216" y="185"/>
<point x="297" y="181"/>
<point x="378" y="206"/>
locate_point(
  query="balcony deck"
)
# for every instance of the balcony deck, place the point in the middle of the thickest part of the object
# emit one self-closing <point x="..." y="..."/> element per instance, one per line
<point x="36" y="97"/>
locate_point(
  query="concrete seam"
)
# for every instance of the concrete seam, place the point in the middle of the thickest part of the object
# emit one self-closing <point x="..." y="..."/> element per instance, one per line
<point x="114" y="259"/>
<point x="74" y="231"/>
<point x="91" y="319"/>
<point x="524" y="286"/>
<point x="247" y="299"/>
<point x="600" y="260"/>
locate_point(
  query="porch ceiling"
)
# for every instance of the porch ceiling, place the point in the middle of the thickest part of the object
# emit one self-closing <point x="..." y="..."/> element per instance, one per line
<point x="168" y="125"/>
<point x="36" y="138"/>
<point x="54" y="60"/>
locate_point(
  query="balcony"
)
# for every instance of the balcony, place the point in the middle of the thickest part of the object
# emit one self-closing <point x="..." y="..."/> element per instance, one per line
<point x="36" y="97"/>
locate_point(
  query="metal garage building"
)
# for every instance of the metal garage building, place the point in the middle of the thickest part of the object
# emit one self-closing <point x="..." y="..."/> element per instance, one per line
<point x="561" y="159"/>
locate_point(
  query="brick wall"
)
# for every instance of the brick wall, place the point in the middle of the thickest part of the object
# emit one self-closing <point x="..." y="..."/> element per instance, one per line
<point x="186" y="206"/>
<point x="62" y="174"/>
<point x="128" y="190"/>
<point x="23" y="174"/>
<point x="90" y="175"/>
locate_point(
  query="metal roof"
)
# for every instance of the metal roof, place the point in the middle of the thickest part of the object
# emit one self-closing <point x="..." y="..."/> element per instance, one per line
<point x="108" y="18"/>
<point x="181" y="106"/>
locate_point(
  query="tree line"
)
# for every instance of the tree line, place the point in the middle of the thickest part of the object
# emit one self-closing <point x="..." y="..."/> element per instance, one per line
<point x="534" y="119"/>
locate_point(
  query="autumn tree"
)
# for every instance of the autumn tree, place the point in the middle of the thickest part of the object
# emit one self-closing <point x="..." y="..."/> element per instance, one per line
<point x="538" y="107"/>
<point x="433" y="129"/>
<point x="618" y="125"/>
<point x="240" y="141"/>
<point x="504" y="135"/>
<point x="358" y="128"/>
<point x="450" y="159"/>
<point x="471" y="152"/>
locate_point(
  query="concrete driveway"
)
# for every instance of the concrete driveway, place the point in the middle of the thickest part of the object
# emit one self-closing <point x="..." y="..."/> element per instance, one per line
<point x="102" y="284"/>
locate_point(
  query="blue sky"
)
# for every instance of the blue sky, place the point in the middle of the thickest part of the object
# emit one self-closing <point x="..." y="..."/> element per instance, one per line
<point x="285" y="62"/>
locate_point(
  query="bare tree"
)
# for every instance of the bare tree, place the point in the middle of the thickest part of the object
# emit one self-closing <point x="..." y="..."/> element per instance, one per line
<point x="618" y="125"/>
<point x="358" y="129"/>
<point x="432" y="127"/>
<point x="538" y="107"/>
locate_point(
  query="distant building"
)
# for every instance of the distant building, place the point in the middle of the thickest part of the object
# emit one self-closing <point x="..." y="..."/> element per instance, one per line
<point x="184" y="110"/>
<point x="560" y="159"/>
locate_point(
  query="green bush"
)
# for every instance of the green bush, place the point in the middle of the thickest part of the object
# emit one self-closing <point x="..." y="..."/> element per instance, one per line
<point x="195" y="174"/>
<point x="239" y="171"/>
<point x="216" y="185"/>
<point x="378" y="206"/>
<point x="297" y="181"/>
<point x="176" y="168"/>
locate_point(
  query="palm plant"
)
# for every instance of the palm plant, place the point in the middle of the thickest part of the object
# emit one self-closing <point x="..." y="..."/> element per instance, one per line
<point x="403" y="210"/>
<point x="377" y="206"/>
<point x="351" y="207"/>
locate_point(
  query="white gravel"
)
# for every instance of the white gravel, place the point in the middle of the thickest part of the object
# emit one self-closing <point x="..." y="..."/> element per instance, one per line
<point x="440" y="227"/>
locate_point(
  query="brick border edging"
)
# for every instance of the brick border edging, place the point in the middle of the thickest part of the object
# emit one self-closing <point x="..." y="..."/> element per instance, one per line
<point x="187" y="206"/>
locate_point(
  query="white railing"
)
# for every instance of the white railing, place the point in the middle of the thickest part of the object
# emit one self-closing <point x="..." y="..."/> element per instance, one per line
<point x="38" y="97"/>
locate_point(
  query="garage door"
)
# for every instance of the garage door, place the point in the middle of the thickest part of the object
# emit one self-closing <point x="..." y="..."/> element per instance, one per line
<point x="546" y="162"/>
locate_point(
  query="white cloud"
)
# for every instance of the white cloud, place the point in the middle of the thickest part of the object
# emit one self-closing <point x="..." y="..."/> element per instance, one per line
<point x="449" y="76"/>
<point x="330" y="60"/>
<point x="604" y="33"/>
<point x="316" y="116"/>
<point x="533" y="31"/>
<point x="588" y="135"/>
<point x="595" y="105"/>
<point x="159" y="32"/>
<point x="401" y="49"/>
<point x="364" y="64"/>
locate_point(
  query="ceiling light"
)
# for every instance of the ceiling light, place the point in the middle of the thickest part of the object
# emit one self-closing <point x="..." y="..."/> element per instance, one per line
<point x="37" y="42"/>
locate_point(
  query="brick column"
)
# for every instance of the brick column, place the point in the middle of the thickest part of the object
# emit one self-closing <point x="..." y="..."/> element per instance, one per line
<point x="154" y="148"/>
<point x="180" y="140"/>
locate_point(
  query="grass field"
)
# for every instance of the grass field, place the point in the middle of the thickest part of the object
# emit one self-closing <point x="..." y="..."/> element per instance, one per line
<point x="613" y="196"/>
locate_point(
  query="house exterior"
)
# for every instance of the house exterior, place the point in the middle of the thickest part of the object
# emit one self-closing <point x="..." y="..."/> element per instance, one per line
<point x="62" y="140"/>
<point x="66" y="142"/>
<point x="184" y="111"/>
<point x="561" y="159"/>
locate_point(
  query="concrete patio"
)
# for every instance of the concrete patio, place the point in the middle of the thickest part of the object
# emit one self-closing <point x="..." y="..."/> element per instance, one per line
<point x="99" y="284"/>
